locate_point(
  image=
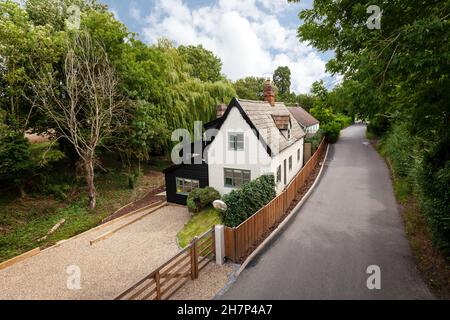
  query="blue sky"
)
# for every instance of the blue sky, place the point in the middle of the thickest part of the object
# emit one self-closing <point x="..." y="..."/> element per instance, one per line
<point x="252" y="37"/>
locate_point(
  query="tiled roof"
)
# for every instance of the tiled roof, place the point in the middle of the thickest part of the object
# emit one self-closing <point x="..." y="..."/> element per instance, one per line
<point x="260" y="114"/>
<point x="303" y="117"/>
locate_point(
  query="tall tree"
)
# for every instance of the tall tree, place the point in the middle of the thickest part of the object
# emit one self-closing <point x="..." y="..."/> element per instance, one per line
<point x="86" y="107"/>
<point x="251" y="88"/>
<point x="282" y="80"/>
<point x="205" y="65"/>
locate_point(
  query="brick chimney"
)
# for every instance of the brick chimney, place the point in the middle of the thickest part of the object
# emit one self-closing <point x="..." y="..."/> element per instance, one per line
<point x="269" y="93"/>
<point x="221" y="108"/>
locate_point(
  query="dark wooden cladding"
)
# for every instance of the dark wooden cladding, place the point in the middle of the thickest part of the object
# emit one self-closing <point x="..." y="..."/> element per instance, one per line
<point x="168" y="278"/>
<point x="188" y="171"/>
<point x="240" y="239"/>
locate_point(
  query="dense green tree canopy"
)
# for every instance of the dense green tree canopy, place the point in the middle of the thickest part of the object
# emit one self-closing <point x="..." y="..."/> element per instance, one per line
<point x="282" y="80"/>
<point x="205" y="65"/>
<point x="251" y="88"/>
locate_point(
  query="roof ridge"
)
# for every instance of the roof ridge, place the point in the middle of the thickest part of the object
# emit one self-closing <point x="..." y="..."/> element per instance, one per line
<point x="260" y="101"/>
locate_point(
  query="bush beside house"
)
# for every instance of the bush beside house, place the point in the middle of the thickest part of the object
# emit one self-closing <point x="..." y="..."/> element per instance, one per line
<point x="246" y="201"/>
<point x="201" y="198"/>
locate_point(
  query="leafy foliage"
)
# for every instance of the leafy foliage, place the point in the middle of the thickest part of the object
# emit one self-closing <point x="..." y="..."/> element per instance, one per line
<point x="15" y="159"/>
<point x="282" y="80"/>
<point x="246" y="201"/>
<point x="201" y="198"/>
<point x="251" y="88"/>
<point x="205" y="65"/>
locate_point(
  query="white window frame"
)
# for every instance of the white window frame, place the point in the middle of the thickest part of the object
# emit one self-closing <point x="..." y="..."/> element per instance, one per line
<point x="234" y="141"/>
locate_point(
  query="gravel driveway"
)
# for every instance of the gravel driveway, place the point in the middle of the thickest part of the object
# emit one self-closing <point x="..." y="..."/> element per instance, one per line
<point x="107" y="268"/>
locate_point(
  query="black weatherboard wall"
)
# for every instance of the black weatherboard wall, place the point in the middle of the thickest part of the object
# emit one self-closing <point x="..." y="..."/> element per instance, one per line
<point x="189" y="171"/>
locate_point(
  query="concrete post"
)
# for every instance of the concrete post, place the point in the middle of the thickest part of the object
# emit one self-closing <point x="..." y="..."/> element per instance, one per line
<point x="220" y="244"/>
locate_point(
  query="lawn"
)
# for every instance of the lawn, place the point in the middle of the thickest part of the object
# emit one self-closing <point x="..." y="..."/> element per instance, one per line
<point x="197" y="225"/>
<point x="25" y="220"/>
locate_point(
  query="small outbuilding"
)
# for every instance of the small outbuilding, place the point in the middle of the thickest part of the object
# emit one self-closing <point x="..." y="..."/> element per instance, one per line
<point x="308" y="123"/>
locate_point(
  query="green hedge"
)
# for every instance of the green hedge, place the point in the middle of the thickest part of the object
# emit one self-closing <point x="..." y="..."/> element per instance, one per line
<point x="244" y="202"/>
<point x="201" y="198"/>
<point x="424" y="172"/>
<point x="331" y="131"/>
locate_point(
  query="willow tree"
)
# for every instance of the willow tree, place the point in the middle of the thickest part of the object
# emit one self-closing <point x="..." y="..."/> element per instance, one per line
<point x="85" y="106"/>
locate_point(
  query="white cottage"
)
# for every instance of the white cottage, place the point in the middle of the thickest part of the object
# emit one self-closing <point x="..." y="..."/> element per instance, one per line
<point x="247" y="140"/>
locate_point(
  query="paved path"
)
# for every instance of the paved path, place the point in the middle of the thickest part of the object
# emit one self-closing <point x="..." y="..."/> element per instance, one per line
<point x="350" y="222"/>
<point x="107" y="267"/>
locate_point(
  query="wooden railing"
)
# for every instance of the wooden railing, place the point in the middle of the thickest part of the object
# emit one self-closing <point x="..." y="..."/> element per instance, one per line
<point x="167" y="279"/>
<point x="239" y="240"/>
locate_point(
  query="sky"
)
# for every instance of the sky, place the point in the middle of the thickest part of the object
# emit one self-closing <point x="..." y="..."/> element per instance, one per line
<point x="251" y="37"/>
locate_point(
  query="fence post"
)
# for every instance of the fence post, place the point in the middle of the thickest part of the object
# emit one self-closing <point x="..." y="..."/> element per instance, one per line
<point x="219" y="242"/>
<point x="194" y="259"/>
<point x="158" y="285"/>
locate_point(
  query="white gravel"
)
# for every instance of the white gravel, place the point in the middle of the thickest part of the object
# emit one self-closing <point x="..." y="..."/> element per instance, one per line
<point x="107" y="267"/>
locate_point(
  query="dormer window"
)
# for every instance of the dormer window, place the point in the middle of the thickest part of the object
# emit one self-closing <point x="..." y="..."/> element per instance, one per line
<point x="236" y="141"/>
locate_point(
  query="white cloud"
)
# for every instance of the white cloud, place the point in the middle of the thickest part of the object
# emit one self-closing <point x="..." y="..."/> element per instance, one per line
<point x="135" y="13"/>
<point x="246" y="34"/>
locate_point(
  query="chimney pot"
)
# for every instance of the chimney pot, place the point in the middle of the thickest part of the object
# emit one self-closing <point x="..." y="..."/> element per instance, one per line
<point x="221" y="108"/>
<point x="269" y="93"/>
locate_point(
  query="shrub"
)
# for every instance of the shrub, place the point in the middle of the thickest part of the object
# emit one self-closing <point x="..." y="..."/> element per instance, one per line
<point x="397" y="145"/>
<point x="133" y="178"/>
<point x="343" y="120"/>
<point x="201" y="198"/>
<point x="16" y="162"/>
<point x="378" y="125"/>
<point x="434" y="192"/>
<point x="332" y="131"/>
<point x="315" y="140"/>
<point x="246" y="201"/>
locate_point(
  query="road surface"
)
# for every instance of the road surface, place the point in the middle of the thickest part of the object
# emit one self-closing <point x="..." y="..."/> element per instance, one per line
<point x="350" y="222"/>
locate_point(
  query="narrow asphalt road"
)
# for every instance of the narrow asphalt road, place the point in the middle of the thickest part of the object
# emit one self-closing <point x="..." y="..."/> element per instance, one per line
<point x="350" y="222"/>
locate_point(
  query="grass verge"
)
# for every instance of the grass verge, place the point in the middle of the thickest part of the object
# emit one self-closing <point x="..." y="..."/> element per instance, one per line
<point x="197" y="225"/>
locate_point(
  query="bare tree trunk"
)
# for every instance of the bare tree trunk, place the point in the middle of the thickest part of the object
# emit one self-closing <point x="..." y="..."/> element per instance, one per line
<point x="89" y="165"/>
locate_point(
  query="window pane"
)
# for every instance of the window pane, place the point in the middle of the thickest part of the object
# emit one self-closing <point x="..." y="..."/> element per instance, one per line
<point x="246" y="176"/>
<point x="195" y="184"/>
<point x="240" y="145"/>
<point x="180" y="185"/>
<point x="228" y="181"/>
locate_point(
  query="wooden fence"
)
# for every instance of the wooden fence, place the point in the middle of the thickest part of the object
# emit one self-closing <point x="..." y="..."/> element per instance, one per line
<point x="240" y="239"/>
<point x="167" y="279"/>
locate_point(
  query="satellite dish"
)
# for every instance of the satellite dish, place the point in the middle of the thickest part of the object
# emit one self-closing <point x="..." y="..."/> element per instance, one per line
<point x="220" y="205"/>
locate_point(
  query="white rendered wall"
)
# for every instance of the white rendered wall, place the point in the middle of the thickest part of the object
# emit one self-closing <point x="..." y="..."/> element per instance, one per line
<point x="254" y="157"/>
